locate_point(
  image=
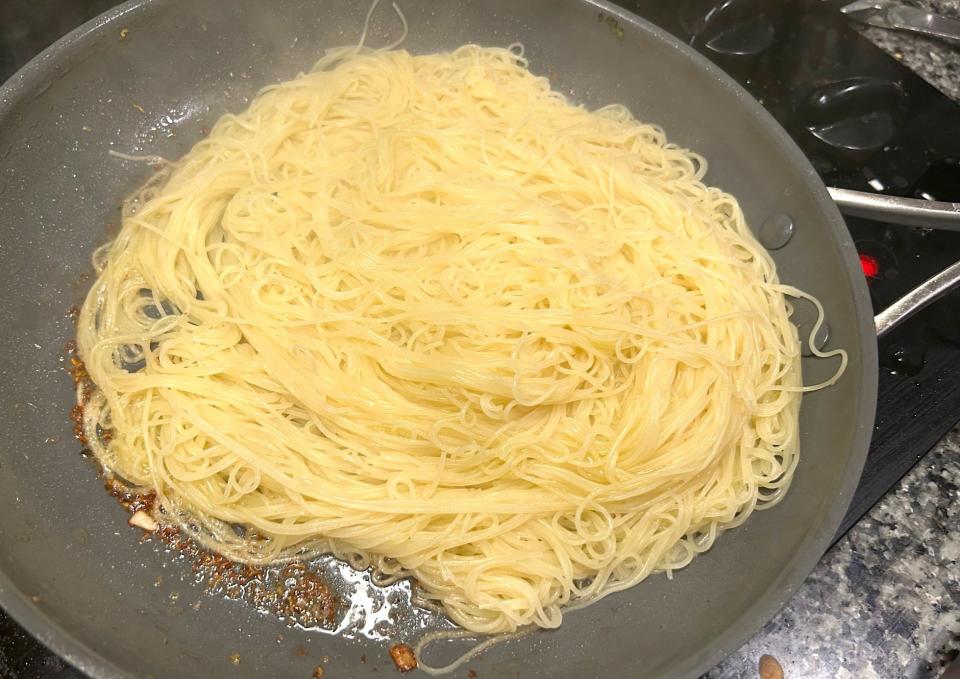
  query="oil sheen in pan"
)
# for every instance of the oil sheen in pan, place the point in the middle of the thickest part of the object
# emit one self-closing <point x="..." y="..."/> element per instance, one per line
<point x="378" y="613"/>
<point x="323" y="595"/>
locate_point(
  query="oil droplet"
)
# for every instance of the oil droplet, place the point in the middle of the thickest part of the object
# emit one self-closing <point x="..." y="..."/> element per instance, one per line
<point x="776" y="231"/>
<point x="903" y="361"/>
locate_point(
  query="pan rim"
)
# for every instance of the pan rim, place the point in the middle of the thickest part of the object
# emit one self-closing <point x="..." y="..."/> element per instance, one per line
<point x="53" y="635"/>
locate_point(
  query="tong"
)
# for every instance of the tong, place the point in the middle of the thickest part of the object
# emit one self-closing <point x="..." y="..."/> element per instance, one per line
<point x="898" y="16"/>
<point x="930" y="214"/>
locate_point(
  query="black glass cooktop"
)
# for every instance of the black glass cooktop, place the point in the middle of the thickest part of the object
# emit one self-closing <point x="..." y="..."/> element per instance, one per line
<point x="865" y="121"/>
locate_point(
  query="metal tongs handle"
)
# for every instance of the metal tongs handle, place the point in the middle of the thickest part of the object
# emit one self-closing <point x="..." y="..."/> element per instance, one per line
<point x="912" y="212"/>
<point x="897" y="16"/>
<point x="932" y="214"/>
<point x="919" y="298"/>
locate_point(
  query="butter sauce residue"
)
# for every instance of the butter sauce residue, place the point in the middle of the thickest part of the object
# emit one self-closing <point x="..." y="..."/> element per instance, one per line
<point x="323" y="595"/>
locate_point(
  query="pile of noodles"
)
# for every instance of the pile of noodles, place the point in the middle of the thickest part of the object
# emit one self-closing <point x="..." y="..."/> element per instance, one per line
<point x="425" y="313"/>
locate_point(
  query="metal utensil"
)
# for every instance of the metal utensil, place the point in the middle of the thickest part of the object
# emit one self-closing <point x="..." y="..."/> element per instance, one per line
<point x="898" y="16"/>
<point x="933" y="289"/>
<point x="911" y="212"/>
<point x="931" y="214"/>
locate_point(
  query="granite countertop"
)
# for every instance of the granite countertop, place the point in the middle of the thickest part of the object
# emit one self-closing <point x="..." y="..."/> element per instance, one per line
<point x="884" y="602"/>
<point x="935" y="60"/>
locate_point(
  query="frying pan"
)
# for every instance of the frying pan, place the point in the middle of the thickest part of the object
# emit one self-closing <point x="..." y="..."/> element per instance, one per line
<point x="71" y="571"/>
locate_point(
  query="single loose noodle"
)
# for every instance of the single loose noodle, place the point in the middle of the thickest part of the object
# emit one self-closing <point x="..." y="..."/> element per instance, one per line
<point x="424" y="313"/>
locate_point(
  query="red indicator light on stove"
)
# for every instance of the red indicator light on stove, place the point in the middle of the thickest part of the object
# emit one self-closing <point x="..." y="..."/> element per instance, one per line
<point x="870" y="266"/>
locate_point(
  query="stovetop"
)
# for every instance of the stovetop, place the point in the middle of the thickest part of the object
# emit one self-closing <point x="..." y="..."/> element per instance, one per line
<point x="865" y="121"/>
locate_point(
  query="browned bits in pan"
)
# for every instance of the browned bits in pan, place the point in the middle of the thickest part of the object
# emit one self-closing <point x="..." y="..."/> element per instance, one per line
<point x="78" y="372"/>
<point x="305" y="597"/>
<point x="403" y="657"/>
<point x="770" y="668"/>
<point x="134" y="502"/>
<point x="318" y="672"/>
<point x="75" y="366"/>
<point x="76" y="415"/>
<point x="292" y="592"/>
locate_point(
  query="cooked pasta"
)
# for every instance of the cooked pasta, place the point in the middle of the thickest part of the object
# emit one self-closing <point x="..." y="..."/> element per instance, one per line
<point x="426" y="314"/>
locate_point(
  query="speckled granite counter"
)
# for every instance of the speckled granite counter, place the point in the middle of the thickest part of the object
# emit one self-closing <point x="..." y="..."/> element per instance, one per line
<point x="937" y="61"/>
<point x="884" y="602"/>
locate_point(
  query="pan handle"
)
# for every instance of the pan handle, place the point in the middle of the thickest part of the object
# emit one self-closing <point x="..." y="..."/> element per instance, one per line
<point x="932" y="214"/>
<point x="915" y="300"/>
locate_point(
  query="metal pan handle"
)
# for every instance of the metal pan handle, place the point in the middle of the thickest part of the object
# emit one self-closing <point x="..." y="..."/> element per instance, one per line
<point x="911" y="212"/>
<point x="931" y="214"/>
<point x="915" y="300"/>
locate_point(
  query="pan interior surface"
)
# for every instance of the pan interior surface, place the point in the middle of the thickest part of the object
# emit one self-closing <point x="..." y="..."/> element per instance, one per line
<point x="76" y="576"/>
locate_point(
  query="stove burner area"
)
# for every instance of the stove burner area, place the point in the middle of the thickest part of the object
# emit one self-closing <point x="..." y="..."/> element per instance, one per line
<point x="854" y="114"/>
<point x="870" y="265"/>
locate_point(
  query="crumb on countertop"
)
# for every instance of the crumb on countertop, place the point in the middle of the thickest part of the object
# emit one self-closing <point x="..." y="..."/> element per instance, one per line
<point x="770" y="668"/>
